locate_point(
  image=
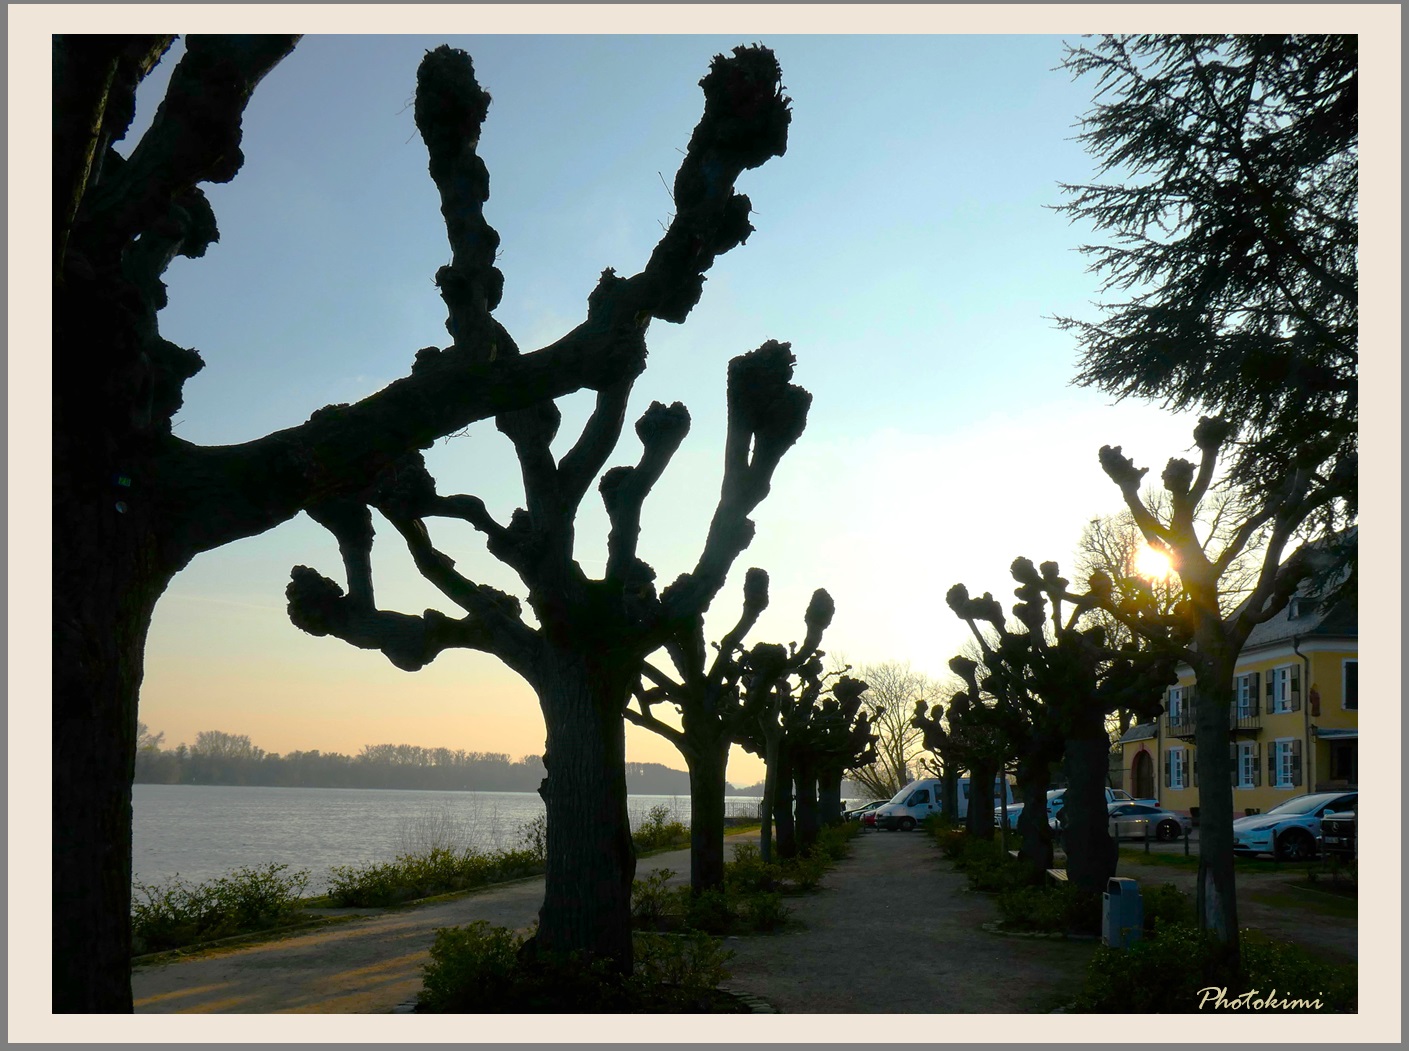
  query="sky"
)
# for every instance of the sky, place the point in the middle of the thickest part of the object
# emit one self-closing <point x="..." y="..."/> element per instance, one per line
<point x="906" y="245"/>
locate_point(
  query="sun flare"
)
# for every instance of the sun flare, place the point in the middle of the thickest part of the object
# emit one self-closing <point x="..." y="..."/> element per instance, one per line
<point x="1153" y="564"/>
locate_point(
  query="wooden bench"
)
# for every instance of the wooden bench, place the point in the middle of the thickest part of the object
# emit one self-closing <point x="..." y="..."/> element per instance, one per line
<point x="1057" y="875"/>
<point x="1013" y="854"/>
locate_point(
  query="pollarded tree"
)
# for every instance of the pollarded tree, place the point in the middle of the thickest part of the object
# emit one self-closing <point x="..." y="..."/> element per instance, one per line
<point x="1233" y="208"/>
<point x="945" y="747"/>
<point x="1215" y="638"/>
<point x="1019" y="714"/>
<point x="713" y="714"/>
<point x="585" y="652"/>
<point x="979" y="742"/>
<point x="841" y="739"/>
<point x="133" y="503"/>
<point x="893" y="689"/>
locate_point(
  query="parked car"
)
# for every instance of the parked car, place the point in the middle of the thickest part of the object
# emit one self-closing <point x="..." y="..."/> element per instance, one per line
<point x="1338" y="833"/>
<point x="1015" y="810"/>
<point x="1136" y="820"/>
<point x="1291" y="830"/>
<point x="1056" y="798"/>
<point x="919" y="799"/>
<point x="857" y="813"/>
<point x="868" y="819"/>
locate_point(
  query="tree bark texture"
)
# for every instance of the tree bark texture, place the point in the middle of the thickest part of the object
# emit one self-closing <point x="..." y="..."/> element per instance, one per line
<point x="1091" y="853"/>
<point x="1216" y="900"/>
<point x="1036" y="847"/>
<point x="784" y="824"/>
<point x="979" y="821"/>
<point x="808" y="815"/>
<point x="707" y="783"/>
<point x="591" y="859"/>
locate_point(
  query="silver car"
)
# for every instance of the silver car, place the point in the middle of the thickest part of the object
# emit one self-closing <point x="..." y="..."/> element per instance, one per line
<point x="1137" y="820"/>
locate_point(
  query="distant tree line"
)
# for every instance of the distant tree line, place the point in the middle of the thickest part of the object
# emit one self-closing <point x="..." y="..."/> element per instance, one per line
<point x="219" y="758"/>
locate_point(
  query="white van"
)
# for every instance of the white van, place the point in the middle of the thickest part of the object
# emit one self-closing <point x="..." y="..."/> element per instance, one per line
<point x="919" y="799"/>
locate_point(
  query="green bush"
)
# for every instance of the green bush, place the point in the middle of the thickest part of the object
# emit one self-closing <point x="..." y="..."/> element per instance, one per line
<point x="805" y="872"/>
<point x="749" y="872"/>
<point x="1175" y="970"/>
<point x="1164" y="903"/>
<point x="176" y="913"/>
<point x="764" y="911"/>
<point x="1063" y="909"/>
<point x="483" y="969"/>
<point x="711" y="911"/>
<point x="952" y="841"/>
<point x="659" y="831"/>
<point x="989" y="868"/>
<point x="651" y="899"/>
<point x="438" y="870"/>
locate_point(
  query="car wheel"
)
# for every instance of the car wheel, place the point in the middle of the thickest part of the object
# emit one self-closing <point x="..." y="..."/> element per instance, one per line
<point x="1295" y="845"/>
<point x="1167" y="831"/>
<point x="906" y="824"/>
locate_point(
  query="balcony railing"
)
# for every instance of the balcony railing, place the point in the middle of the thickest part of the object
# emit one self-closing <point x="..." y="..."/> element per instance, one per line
<point x="1244" y="720"/>
<point x="1240" y="720"/>
<point x="1181" y="724"/>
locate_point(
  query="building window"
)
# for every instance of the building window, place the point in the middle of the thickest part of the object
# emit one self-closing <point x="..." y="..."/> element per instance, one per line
<point x="1284" y="689"/>
<point x="1350" y="689"/>
<point x="1245" y="694"/>
<point x="1175" y="703"/>
<point x="1284" y="764"/>
<point x="1176" y="769"/>
<point x="1245" y="767"/>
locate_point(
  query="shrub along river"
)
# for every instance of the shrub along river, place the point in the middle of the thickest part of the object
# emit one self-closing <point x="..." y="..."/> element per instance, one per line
<point x="200" y="832"/>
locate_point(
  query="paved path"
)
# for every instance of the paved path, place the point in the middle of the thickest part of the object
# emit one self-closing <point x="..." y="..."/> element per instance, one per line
<point x="900" y="914"/>
<point x="364" y="965"/>
<point x="895" y="911"/>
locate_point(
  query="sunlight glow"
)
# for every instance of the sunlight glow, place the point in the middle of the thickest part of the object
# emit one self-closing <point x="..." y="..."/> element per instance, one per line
<point x="1153" y="564"/>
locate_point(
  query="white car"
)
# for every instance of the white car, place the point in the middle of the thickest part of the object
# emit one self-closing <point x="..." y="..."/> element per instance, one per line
<point x="1291" y="830"/>
<point x="1056" y="798"/>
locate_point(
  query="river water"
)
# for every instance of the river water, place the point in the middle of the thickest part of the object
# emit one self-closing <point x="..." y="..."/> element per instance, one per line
<point x="200" y="832"/>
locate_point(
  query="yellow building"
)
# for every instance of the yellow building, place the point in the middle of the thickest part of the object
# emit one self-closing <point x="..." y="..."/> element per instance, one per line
<point x="1293" y="724"/>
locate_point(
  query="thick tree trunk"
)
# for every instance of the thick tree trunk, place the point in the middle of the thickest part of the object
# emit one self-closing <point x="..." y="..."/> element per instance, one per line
<point x="591" y="859"/>
<point x="979" y="820"/>
<point x="784" y="826"/>
<point x="765" y="807"/>
<point x="950" y="787"/>
<point x="809" y="818"/>
<point x="829" y="796"/>
<point x="107" y="578"/>
<point x="1216" y="900"/>
<point x="1036" y="847"/>
<point x="708" y="768"/>
<point x="1091" y="853"/>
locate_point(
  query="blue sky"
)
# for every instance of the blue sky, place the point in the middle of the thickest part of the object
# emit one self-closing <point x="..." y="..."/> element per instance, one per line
<point x="905" y="245"/>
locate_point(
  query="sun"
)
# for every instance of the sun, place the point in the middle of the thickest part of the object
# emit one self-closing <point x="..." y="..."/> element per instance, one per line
<point x="1152" y="563"/>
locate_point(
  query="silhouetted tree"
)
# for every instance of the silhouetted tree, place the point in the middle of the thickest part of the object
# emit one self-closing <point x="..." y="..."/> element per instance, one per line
<point x="979" y="741"/>
<point x="893" y="688"/>
<point x="1214" y="638"/>
<point x="592" y="635"/>
<point x="133" y="504"/>
<point x="947" y="751"/>
<point x="1235" y="231"/>
<point x="712" y="714"/>
<point x="840" y="738"/>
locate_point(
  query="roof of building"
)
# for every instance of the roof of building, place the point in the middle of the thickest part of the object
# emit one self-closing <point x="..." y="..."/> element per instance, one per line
<point x="1143" y="732"/>
<point x="1304" y="616"/>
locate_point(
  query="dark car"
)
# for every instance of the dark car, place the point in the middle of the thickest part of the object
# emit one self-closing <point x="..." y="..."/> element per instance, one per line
<point x="859" y="812"/>
<point x="1338" y="833"/>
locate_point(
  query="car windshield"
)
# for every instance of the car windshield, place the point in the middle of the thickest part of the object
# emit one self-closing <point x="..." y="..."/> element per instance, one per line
<point x="1300" y="805"/>
<point x="902" y="795"/>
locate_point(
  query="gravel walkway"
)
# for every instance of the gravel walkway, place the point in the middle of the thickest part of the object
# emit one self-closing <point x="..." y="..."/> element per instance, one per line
<point x="895" y="912"/>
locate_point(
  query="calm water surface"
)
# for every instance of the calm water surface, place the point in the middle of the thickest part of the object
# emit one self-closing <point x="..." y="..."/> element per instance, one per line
<point x="200" y="832"/>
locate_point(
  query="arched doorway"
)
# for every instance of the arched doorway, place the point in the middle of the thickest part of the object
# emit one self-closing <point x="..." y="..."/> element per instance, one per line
<point x="1142" y="776"/>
